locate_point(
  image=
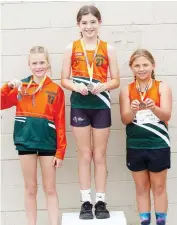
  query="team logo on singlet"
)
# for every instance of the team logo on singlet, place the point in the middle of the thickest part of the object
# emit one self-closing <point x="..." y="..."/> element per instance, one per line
<point x="100" y="59"/>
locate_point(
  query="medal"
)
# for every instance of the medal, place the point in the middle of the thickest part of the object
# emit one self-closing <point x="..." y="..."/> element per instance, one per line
<point x="142" y="105"/>
<point x="90" y="86"/>
<point x="19" y="96"/>
<point x="21" y="93"/>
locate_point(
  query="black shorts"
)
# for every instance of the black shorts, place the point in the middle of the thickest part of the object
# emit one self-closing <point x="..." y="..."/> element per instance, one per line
<point x="154" y="160"/>
<point x="39" y="153"/>
<point x="97" y="118"/>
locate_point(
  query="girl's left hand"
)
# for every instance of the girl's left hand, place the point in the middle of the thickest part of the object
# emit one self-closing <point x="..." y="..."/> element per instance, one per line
<point x="98" y="88"/>
<point x="150" y="104"/>
<point x="57" y="162"/>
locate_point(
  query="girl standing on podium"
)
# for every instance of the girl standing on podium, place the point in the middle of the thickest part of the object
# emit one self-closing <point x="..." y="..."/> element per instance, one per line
<point x="89" y="59"/>
<point x="145" y="107"/>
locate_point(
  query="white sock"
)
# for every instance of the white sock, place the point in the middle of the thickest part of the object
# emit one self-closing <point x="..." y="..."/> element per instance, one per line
<point x="86" y="195"/>
<point x="100" y="197"/>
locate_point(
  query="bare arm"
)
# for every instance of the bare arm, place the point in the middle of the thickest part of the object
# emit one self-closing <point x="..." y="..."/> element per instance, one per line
<point x="164" y="111"/>
<point x="114" y="74"/>
<point x="113" y="68"/>
<point x="66" y="69"/>
<point x="66" y="82"/>
<point x="127" y="110"/>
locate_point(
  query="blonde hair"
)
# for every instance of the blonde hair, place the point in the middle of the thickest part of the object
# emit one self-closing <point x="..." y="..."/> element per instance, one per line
<point x="41" y="49"/>
<point x="145" y="53"/>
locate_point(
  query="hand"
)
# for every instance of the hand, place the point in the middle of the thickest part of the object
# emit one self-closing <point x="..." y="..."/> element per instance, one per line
<point x="81" y="88"/>
<point x="15" y="83"/>
<point x="98" y="88"/>
<point x="57" y="162"/>
<point x="150" y="104"/>
<point x="135" y="106"/>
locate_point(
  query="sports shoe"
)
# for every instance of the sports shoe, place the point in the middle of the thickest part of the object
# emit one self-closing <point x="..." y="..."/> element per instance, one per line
<point x="100" y="210"/>
<point x="145" y="222"/>
<point x="86" y="211"/>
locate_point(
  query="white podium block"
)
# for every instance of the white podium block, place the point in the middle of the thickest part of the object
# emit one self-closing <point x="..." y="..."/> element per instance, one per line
<point x="116" y="218"/>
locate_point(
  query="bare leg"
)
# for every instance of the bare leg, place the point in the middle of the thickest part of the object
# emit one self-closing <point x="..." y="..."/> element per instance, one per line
<point x="49" y="186"/>
<point x="158" y="185"/>
<point x="142" y="183"/>
<point x="100" y="140"/>
<point x="29" y="170"/>
<point x="83" y="142"/>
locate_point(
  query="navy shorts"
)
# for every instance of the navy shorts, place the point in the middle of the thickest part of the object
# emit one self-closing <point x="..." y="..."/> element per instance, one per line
<point x="154" y="160"/>
<point x="39" y="153"/>
<point x="97" y="118"/>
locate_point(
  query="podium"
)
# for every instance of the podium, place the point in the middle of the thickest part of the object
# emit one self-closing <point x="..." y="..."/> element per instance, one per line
<point x="116" y="218"/>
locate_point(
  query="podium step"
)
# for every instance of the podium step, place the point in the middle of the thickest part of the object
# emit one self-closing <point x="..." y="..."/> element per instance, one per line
<point x="116" y="218"/>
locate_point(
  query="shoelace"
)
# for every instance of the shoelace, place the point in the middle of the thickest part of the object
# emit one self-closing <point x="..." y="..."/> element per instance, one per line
<point x="101" y="205"/>
<point x="87" y="205"/>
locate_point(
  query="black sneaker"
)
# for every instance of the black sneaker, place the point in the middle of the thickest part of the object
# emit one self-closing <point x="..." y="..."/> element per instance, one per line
<point x="86" y="211"/>
<point x="100" y="210"/>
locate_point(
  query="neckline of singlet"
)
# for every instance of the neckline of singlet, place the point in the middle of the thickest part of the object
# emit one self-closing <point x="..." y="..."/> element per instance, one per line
<point x="93" y="50"/>
<point x="153" y="82"/>
<point x="90" y="51"/>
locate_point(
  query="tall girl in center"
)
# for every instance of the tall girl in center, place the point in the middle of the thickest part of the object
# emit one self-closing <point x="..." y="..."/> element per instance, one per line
<point x="89" y="59"/>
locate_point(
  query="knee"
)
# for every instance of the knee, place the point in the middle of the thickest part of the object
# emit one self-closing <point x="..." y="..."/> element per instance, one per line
<point x="31" y="189"/>
<point x="99" y="158"/>
<point x="159" y="189"/>
<point x="142" y="189"/>
<point x="49" y="189"/>
<point x="86" y="156"/>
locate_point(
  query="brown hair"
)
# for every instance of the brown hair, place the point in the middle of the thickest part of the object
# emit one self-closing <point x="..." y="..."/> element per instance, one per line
<point x="41" y="49"/>
<point x="86" y="9"/>
<point x="145" y="53"/>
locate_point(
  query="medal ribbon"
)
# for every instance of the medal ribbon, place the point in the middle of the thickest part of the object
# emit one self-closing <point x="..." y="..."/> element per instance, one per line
<point x="29" y="84"/>
<point x="89" y="68"/>
<point x="33" y="94"/>
<point x="38" y="88"/>
<point x="145" y="90"/>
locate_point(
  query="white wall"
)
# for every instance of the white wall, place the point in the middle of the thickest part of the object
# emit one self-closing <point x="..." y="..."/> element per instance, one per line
<point x="126" y="25"/>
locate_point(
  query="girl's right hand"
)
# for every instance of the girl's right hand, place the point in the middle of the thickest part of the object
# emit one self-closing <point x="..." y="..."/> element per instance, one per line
<point x="135" y="106"/>
<point x="57" y="162"/>
<point x="15" y="83"/>
<point x="81" y="88"/>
